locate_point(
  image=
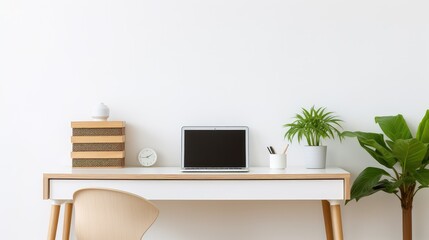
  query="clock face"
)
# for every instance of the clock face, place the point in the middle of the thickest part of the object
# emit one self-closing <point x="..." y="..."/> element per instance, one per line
<point x="147" y="157"/>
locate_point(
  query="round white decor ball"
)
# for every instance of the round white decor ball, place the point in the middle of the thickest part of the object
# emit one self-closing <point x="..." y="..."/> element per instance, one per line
<point x="100" y="112"/>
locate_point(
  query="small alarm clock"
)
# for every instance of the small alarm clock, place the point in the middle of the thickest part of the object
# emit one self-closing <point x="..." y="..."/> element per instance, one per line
<point x="147" y="157"/>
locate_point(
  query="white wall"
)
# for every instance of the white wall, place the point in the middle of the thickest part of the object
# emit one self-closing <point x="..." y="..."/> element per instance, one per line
<point x="161" y="64"/>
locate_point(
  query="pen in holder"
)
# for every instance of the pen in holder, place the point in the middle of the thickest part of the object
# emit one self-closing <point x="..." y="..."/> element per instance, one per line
<point x="278" y="161"/>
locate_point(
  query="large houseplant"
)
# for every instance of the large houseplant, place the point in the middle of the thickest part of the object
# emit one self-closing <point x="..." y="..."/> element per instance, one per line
<point x="403" y="156"/>
<point x="314" y="125"/>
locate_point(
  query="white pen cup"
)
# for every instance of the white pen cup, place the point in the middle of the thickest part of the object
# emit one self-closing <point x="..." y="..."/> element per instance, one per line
<point x="277" y="161"/>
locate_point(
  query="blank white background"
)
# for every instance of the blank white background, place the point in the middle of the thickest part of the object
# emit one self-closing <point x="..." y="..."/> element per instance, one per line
<point x="162" y="64"/>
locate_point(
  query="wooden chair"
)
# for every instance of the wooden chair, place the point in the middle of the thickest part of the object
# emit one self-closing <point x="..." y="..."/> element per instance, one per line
<point x="105" y="214"/>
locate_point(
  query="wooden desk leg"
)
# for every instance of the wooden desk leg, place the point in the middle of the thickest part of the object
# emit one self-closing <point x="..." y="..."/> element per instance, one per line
<point x="68" y="210"/>
<point x="53" y="222"/>
<point x="337" y="225"/>
<point x="326" y="206"/>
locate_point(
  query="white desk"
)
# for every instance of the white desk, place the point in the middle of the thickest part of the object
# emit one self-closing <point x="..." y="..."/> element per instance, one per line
<point x="165" y="183"/>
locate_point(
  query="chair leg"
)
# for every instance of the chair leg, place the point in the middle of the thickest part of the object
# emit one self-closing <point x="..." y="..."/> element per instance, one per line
<point x="53" y="222"/>
<point x="337" y="225"/>
<point x="68" y="210"/>
<point x="327" y="219"/>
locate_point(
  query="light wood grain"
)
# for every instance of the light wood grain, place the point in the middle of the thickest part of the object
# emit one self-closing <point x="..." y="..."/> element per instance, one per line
<point x="111" y="215"/>
<point x="92" y="155"/>
<point x="53" y="221"/>
<point x="98" y="139"/>
<point x="347" y="187"/>
<point x="337" y="225"/>
<point x="326" y="207"/>
<point x="98" y="124"/>
<point x="68" y="209"/>
<point x="190" y="176"/>
<point x="46" y="186"/>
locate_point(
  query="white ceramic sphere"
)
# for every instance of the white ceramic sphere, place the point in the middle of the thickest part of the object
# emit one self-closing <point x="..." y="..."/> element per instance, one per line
<point x="100" y="112"/>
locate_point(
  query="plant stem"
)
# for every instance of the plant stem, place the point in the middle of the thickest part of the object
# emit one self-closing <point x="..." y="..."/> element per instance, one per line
<point x="407" y="197"/>
<point x="407" y="228"/>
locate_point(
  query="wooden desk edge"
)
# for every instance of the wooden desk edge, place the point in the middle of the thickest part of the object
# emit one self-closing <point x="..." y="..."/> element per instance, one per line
<point x="347" y="187"/>
<point x="189" y="176"/>
<point x="46" y="186"/>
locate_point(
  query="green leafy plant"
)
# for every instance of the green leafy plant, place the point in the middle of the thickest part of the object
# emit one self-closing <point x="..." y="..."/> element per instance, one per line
<point x="314" y="125"/>
<point x="404" y="159"/>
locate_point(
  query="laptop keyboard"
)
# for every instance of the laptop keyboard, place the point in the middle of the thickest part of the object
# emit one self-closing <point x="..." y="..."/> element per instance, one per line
<point x="214" y="169"/>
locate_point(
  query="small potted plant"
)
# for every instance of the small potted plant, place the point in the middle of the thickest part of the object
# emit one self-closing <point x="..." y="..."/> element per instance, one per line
<point x="314" y="125"/>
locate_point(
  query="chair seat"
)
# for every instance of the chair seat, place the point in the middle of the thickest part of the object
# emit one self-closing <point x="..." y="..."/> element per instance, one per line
<point x="107" y="214"/>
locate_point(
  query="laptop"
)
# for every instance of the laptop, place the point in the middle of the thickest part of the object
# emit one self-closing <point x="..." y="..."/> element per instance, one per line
<point x="215" y="149"/>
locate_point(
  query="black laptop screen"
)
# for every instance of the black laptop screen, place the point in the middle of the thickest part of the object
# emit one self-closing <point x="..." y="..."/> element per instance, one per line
<point x="214" y="148"/>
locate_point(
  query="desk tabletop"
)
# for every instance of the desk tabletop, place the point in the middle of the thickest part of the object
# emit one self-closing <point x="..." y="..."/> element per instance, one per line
<point x="166" y="173"/>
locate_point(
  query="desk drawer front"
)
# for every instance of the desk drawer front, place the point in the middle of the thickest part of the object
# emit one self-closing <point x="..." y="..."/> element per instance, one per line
<point x="209" y="189"/>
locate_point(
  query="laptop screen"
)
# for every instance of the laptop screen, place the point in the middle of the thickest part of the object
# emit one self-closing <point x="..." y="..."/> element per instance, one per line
<point x="214" y="147"/>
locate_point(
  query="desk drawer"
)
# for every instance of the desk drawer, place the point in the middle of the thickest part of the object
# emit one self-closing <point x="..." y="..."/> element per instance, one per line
<point x="209" y="189"/>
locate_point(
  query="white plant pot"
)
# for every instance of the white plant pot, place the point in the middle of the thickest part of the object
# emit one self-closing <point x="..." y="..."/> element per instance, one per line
<point x="315" y="156"/>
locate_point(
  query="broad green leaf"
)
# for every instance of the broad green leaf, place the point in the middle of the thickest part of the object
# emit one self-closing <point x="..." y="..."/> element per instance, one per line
<point x="423" y="129"/>
<point x="374" y="154"/>
<point x="410" y="153"/>
<point x="374" y="144"/>
<point x="378" y="137"/>
<point x="380" y="153"/>
<point x="394" y="127"/>
<point x="389" y="143"/>
<point x="426" y="158"/>
<point x="388" y="186"/>
<point x="423" y="132"/>
<point x="422" y="176"/>
<point x="365" y="183"/>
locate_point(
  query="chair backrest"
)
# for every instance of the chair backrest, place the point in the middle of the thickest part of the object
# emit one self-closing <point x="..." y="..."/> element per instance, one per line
<point x="106" y="214"/>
